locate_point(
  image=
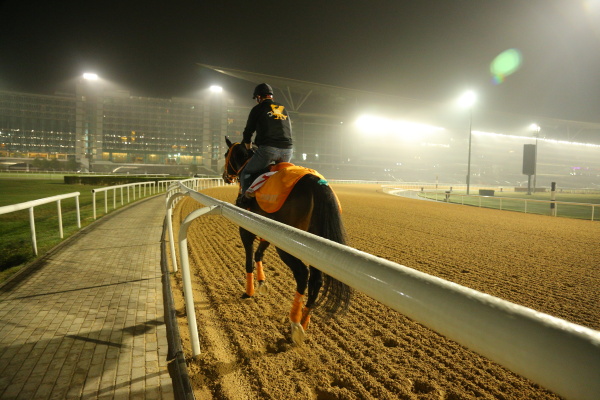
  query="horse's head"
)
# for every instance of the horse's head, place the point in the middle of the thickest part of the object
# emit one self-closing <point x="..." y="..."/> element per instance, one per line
<point x="236" y="158"/>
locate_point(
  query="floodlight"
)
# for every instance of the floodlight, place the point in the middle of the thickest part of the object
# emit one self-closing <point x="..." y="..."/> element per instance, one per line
<point x="467" y="99"/>
<point x="216" y="89"/>
<point x="90" y="76"/>
<point x="535" y="127"/>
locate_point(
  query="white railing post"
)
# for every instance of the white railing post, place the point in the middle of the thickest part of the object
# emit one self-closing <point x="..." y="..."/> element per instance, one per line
<point x="186" y="275"/>
<point x="60" y="224"/>
<point x="32" y="227"/>
<point x="78" y="212"/>
<point x="170" y="204"/>
<point x="94" y="203"/>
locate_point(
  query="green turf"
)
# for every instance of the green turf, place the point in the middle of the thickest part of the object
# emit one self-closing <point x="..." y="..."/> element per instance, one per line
<point x="15" y="233"/>
<point x="515" y="201"/>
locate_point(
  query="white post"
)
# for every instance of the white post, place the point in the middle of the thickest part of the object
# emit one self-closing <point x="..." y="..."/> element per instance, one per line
<point x="60" y="224"/>
<point x="78" y="212"/>
<point x="32" y="226"/>
<point x="186" y="276"/>
<point x="170" y="204"/>
<point x="94" y="203"/>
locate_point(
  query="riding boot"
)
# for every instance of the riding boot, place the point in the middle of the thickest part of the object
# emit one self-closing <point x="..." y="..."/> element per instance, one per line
<point x="243" y="201"/>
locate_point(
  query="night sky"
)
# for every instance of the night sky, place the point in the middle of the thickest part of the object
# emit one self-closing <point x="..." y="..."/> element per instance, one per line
<point x="429" y="50"/>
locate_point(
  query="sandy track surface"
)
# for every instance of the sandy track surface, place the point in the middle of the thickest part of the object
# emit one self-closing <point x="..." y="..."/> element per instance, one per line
<point x="548" y="264"/>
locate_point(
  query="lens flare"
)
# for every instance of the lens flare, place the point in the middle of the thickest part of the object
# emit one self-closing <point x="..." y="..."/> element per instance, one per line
<point x="505" y="64"/>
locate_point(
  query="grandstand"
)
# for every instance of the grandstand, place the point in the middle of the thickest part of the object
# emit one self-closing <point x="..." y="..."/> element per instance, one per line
<point x="105" y="130"/>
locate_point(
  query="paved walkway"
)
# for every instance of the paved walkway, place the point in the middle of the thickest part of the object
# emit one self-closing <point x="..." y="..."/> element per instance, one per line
<point x="88" y="320"/>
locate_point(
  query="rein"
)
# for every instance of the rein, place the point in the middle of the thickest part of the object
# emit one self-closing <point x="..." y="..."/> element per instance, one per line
<point x="231" y="177"/>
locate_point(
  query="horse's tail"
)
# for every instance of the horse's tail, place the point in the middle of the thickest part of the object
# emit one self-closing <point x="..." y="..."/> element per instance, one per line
<point x="326" y="221"/>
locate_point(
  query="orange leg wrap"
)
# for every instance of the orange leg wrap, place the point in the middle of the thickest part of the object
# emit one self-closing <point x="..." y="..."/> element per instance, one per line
<point x="250" y="284"/>
<point x="296" y="312"/>
<point x="260" y="273"/>
<point x="305" y="318"/>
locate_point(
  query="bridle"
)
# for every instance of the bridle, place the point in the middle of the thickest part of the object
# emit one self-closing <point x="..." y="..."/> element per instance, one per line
<point x="230" y="177"/>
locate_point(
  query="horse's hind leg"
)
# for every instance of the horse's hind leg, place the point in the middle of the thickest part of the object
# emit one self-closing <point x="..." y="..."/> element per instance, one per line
<point x="260" y="274"/>
<point x="248" y="241"/>
<point x="300" y="272"/>
<point x="315" y="281"/>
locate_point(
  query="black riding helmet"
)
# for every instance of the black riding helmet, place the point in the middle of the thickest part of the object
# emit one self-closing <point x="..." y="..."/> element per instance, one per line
<point x="262" y="90"/>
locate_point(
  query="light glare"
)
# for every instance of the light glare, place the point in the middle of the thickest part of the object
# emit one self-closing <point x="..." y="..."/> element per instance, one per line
<point x="216" y="89"/>
<point x="467" y="99"/>
<point x="374" y="125"/>
<point x="90" y="76"/>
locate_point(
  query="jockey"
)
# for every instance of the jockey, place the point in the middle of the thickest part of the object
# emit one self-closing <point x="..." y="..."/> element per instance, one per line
<point x="273" y="128"/>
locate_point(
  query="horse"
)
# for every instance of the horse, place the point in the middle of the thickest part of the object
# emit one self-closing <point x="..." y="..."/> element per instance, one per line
<point x="311" y="206"/>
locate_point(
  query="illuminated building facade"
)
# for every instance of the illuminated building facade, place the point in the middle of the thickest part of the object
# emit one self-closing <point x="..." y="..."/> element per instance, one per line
<point x="404" y="140"/>
<point x="104" y="130"/>
<point x="34" y="126"/>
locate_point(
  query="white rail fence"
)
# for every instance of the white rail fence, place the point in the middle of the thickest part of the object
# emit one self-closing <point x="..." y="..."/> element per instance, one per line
<point x="130" y="191"/>
<point x="33" y="203"/>
<point x="135" y="190"/>
<point x="192" y="183"/>
<point x="550" y="207"/>
<point x="559" y="355"/>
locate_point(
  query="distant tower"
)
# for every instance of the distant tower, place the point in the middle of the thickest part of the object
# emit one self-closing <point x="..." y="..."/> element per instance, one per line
<point x="89" y="93"/>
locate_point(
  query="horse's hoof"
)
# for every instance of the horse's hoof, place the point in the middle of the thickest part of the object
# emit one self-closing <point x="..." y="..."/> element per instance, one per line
<point x="262" y="288"/>
<point x="246" y="296"/>
<point x="298" y="334"/>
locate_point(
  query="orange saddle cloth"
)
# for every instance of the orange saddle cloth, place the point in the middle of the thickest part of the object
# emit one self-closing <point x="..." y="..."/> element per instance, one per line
<point x="272" y="189"/>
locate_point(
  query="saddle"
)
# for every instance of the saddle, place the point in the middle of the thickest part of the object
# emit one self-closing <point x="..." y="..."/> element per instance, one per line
<point x="272" y="188"/>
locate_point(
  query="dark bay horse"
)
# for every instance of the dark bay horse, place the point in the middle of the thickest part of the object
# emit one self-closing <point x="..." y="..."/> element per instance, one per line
<point x="313" y="207"/>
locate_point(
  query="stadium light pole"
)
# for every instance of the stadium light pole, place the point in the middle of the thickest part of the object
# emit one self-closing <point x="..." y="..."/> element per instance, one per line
<point x="467" y="100"/>
<point x="216" y="124"/>
<point x="536" y="132"/>
<point x="88" y="87"/>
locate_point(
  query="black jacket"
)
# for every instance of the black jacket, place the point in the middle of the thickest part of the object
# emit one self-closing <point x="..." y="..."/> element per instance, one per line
<point x="272" y="125"/>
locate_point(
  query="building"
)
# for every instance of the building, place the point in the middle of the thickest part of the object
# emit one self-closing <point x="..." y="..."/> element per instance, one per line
<point x="112" y="131"/>
<point x="342" y="133"/>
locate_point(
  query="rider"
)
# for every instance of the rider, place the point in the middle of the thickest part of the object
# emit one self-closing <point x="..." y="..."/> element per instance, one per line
<point x="273" y="128"/>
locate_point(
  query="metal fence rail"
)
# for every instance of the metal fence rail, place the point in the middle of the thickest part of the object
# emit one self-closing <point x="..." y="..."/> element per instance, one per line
<point x="129" y="188"/>
<point x="33" y="203"/>
<point x="559" y="355"/>
<point x="531" y="206"/>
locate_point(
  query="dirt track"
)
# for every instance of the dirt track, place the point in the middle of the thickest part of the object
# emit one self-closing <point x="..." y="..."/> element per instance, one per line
<point x="548" y="264"/>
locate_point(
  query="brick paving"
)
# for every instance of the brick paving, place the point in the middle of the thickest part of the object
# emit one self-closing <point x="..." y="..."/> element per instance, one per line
<point x="88" y="321"/>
